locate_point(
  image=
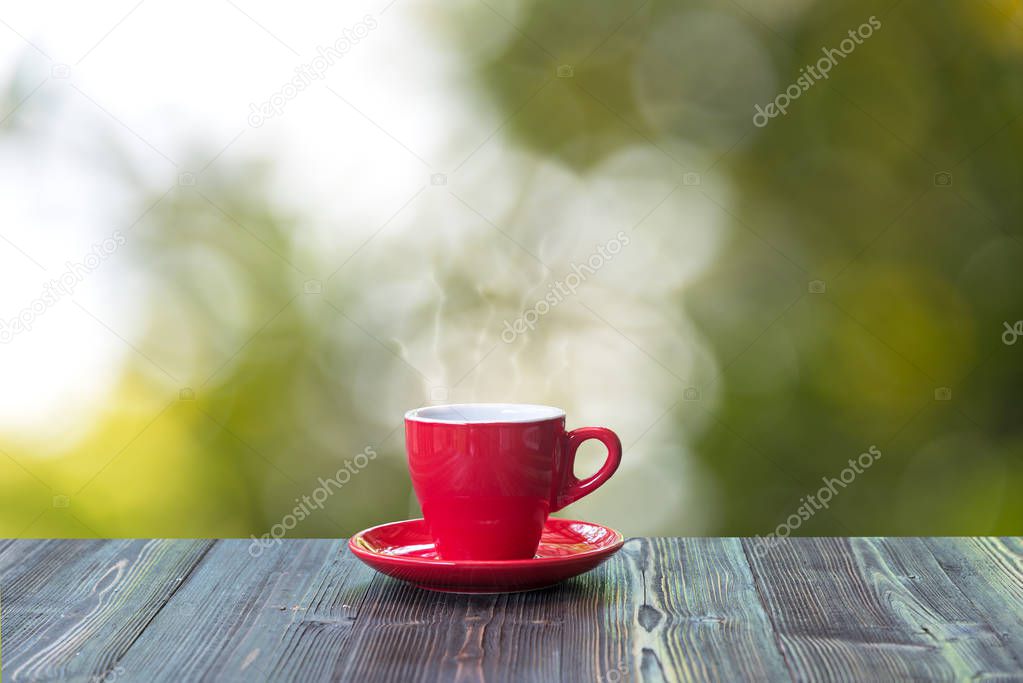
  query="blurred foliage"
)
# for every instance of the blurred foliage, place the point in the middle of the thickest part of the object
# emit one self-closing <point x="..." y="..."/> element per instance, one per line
<point x="918" y="278"/>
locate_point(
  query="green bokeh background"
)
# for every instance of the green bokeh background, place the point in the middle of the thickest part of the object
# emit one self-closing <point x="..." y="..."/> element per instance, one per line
<point x="895" y="184"/>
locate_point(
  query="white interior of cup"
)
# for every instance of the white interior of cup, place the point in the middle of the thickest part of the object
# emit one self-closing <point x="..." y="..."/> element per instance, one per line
<point x="481" y="413"/>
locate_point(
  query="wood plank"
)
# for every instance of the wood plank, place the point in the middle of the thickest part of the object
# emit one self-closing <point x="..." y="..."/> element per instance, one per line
<point x="404" y="633"/>
<point x="239" y="616"/>
<point x="31" y="565"/>
<point x="598" y="618"/>
<point x="409" y="634"/>
<point x="937" y="607"/>
<point x="698" y="615"/>
<point x="577" y="630"/>
<point x="872" y="609"/>
<point x="5" y="544"/>
<point x="314" y="646"/>
<point x="72" y="608"/>
<point x="701" y="623"/>
<point x="989" y="572"/>
<point x="662" y="609"/>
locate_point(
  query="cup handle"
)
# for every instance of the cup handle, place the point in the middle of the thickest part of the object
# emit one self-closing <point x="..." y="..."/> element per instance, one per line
<point x="572" y="489"/>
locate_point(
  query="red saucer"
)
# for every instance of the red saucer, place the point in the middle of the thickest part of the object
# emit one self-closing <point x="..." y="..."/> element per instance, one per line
<point x="405" y="551"/>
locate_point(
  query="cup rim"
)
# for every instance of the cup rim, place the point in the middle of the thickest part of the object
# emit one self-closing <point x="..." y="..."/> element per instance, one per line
<point x="495" y="413"/>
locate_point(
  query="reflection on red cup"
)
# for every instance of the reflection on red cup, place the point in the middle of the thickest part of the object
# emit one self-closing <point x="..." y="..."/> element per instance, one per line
<point x="487" y="475"/>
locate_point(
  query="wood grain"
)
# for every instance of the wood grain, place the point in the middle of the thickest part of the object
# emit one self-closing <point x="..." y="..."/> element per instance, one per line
<point x="698" y="615"/>
<point x="663" y="609"/>
<point x="238" y="614"/>
<point x="989" y="572"/>
<point x="407" y="634"/>
<point x="873" y="609"/>
<point x="73" y="608"/>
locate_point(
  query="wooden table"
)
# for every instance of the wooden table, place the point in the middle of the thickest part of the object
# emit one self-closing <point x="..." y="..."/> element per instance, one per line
<point x="662" y="609"/>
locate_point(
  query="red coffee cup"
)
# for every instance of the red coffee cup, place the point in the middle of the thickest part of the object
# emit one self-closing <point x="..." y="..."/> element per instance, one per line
<point x="487" y="475"/>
